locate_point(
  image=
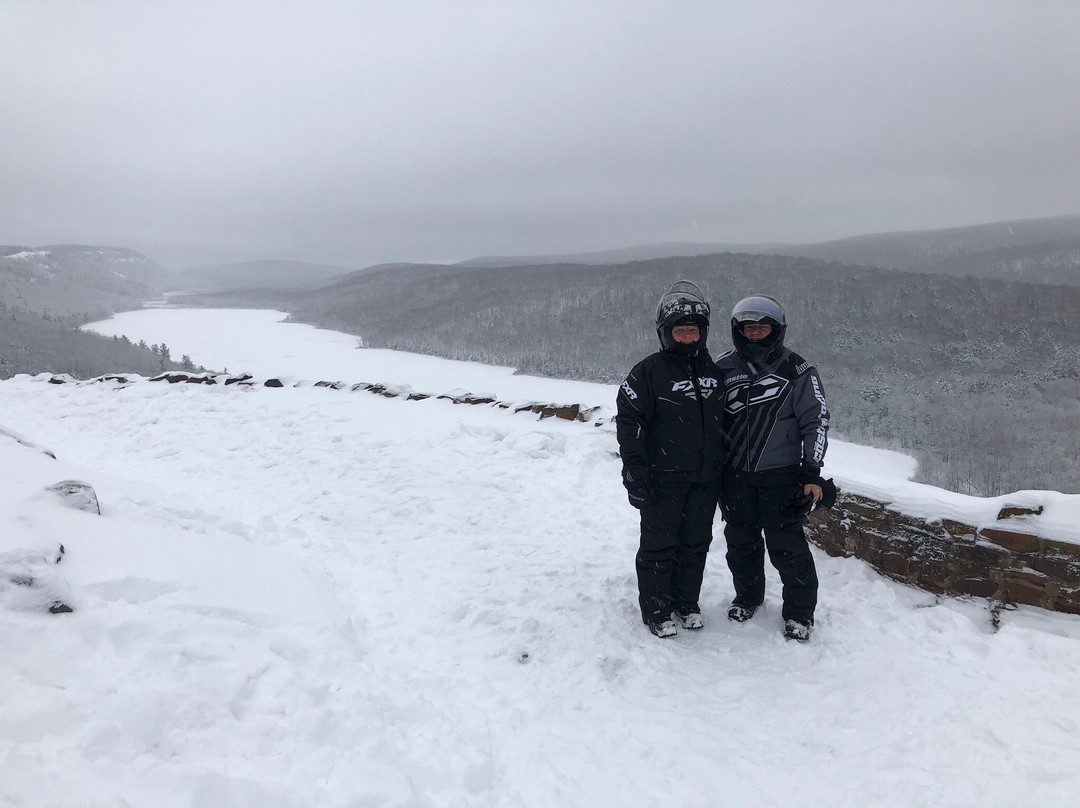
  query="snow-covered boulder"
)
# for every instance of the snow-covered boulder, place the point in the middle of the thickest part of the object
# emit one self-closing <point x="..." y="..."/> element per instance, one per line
<point x="78" y="494"/>
<point x="30" y="581"/>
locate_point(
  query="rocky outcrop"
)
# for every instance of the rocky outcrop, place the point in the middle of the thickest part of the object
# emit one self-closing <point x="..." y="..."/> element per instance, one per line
<point x="184" y="378"/>
<point x="1007" y="562"/>
<point x="77" y="494"/>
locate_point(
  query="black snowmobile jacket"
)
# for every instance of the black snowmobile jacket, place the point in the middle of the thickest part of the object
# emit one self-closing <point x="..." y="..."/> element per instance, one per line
<point x="670" y="417"/>
<point x="775" y="417"/>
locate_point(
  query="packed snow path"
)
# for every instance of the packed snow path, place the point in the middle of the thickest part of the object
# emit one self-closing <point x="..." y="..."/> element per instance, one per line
<point x="309" y="597"/>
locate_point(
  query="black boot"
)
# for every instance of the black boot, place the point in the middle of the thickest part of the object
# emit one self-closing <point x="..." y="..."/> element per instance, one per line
<point x="660" y="626"/>
<point x="794" y="630"/>
<point x="740" y="612"/>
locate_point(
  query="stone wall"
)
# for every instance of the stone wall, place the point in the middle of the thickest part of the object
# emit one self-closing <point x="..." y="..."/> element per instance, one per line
<point x="1002" y="563"/>
<point x="568" y="412"/>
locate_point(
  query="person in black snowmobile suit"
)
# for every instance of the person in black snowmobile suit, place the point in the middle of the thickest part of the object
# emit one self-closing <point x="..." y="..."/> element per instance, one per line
<point x="670" y="431"/>
<point x="776" y="425"/>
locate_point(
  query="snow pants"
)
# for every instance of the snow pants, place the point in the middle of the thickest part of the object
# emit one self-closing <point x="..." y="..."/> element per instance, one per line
<point x="761" y="502"/>
<point x="676" y="531"/>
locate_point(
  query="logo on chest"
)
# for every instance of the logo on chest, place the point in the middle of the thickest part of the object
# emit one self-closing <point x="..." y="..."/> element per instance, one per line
<point x="706" y="384"/>
<point x="763" y="390"/>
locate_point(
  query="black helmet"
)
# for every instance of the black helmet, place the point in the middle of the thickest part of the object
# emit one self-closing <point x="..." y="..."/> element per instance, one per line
<point x="682" y="304"/>
<point x="758" y="309"/>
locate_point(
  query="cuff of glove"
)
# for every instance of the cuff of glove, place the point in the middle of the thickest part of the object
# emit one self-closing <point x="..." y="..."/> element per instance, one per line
<point x="809" y="475"/>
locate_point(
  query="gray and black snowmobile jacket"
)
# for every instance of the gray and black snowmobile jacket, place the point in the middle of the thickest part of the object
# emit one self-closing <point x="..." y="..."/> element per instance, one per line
<point x="775" y="416"/>
<point x="670" y="417"/>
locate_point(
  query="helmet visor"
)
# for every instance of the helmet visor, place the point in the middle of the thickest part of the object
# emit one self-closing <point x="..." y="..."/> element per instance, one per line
<point x="757" y="308"/>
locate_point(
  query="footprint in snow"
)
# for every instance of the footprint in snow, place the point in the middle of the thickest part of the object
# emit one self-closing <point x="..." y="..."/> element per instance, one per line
<point x="537" y="444"/>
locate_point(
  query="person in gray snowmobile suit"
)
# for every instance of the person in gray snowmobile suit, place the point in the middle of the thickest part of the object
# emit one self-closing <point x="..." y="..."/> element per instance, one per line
<point x="776" y="425"/>
<point x="670" y="431"/>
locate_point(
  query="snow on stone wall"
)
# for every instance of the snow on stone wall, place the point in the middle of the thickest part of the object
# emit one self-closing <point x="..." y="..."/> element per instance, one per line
<point x="1007" y="563"/>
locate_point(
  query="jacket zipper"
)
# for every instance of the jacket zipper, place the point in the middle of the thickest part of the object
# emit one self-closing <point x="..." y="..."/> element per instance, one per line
<point x="692" y="367"/>
<point x="746" y="410"/>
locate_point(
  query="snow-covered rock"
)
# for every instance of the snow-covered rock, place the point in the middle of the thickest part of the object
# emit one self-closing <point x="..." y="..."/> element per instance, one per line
<point x="78" y="494"/>
<point x="31" y="582"/>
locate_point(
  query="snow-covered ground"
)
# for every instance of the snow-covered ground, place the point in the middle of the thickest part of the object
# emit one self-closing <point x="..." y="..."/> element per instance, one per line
<point x="315" y="597"/>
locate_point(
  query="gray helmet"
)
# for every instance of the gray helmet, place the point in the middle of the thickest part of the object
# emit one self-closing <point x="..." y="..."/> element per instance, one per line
<point x="682" y="304"/>
<point x="758" y="309"/>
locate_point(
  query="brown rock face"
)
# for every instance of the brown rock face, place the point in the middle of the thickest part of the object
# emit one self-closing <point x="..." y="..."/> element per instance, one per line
<point x="951" y="558"/>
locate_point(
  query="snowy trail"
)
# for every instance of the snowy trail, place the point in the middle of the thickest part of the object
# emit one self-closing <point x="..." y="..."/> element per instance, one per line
<point x="313" y="597"/>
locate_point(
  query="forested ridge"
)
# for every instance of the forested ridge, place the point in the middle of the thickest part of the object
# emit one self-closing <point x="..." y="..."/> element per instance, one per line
<point x="979" y="378"/>
<point x="1045" y="250"/>
<point x="34" y="343"/>
<point x="46" y="293"/>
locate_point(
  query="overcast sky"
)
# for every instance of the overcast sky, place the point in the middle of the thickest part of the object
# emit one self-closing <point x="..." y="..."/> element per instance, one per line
<point x="358" y="132"/>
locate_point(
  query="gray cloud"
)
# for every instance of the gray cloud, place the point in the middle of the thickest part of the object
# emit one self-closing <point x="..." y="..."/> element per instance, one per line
<point x="351" y="132"/>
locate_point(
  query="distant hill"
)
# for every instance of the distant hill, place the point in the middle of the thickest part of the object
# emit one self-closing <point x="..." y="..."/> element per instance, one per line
<point x="274" y="274"/>
<point x="623" y="255"/>
<point x="972" y="250"/>
<point x="1033" y="250"/>
<point x="1044" y="262"/>
<point x="47" y="292"/>
<point x="65" y="280"/>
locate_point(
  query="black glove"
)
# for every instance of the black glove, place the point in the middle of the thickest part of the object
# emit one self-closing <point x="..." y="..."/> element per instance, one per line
<point x="828" y="494"/>
<point x="636" y="481"/>
<point x="725" y="513"/>
<point x="802" y="503"/>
